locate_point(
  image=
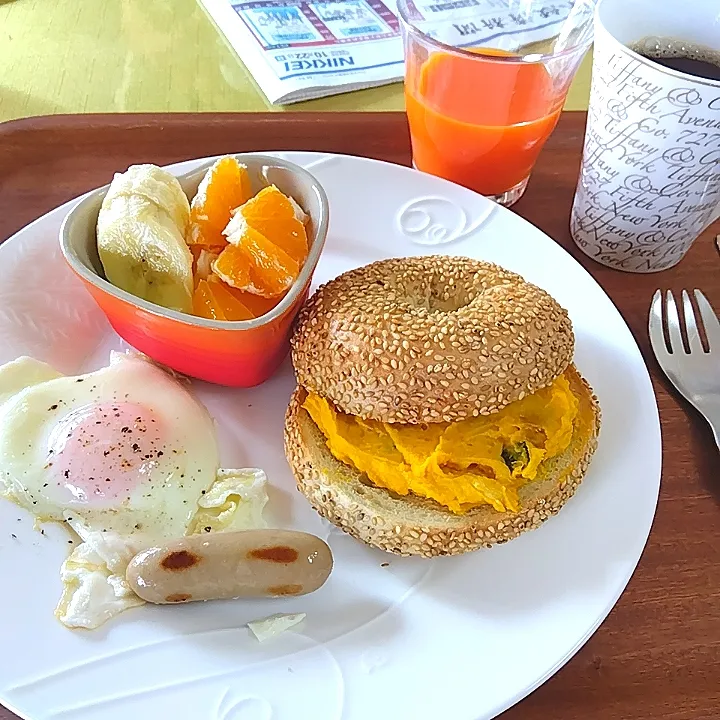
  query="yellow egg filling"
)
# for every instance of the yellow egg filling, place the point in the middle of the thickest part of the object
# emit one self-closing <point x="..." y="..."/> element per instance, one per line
<point x="461" y="465"/>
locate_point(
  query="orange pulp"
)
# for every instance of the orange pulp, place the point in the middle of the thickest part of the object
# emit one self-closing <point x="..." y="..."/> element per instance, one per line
<point x="268" y="245"/>
<point x="477" y="121"/>
<point x="215" y="300"/>
<point x="226" y="186"/>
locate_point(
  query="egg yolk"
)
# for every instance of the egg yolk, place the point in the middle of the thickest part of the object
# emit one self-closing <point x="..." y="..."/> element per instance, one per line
<point x="461" y="465"/>
<point x="98" y="453"/>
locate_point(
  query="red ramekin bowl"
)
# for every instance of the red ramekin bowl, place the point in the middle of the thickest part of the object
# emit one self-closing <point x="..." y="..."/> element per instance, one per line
<point x="239" y="354"/>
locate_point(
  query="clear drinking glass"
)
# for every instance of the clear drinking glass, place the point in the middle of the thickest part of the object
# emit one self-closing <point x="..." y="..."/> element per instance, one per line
<point x="485" y="82"/>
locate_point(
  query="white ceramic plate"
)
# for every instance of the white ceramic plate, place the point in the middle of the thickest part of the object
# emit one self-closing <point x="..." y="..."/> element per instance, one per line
<point x="460" y="638"/>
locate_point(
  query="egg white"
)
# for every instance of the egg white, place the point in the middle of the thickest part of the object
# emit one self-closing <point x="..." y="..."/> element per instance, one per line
<point x="163" y="502"/>
<point x="94" y="585"/>
<point x="181" y="490"/>
<point x="21" y="373"/>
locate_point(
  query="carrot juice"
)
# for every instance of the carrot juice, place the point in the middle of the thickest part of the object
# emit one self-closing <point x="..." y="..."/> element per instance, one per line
<point x="478" y="120"/>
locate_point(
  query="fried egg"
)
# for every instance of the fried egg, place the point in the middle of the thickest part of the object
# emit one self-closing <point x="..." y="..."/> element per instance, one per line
<point x="126" y="457"/>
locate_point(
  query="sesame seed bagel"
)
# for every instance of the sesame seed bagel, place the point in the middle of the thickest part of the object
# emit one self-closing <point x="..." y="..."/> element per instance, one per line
<point x="410" y="525"/>
<point x="429" y="339"/>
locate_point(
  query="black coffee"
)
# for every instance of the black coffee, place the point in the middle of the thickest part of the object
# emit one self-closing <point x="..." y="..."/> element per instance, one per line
<point x="688" y="58"/>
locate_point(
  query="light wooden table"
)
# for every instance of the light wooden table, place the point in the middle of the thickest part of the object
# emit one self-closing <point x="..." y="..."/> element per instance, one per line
<point x="89" y="56"/>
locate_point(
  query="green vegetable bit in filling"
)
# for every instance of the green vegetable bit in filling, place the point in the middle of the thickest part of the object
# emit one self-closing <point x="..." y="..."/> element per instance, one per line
<point x="516" y="456"/>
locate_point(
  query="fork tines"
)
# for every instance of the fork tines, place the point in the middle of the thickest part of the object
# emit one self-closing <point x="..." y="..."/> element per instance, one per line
<point x="668" y="324"/>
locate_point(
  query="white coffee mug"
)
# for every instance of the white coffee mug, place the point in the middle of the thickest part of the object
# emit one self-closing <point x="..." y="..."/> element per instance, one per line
<point x="650" y="177"/>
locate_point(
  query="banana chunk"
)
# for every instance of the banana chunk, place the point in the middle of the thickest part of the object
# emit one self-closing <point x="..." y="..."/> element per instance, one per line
<point x="141" y="237"/>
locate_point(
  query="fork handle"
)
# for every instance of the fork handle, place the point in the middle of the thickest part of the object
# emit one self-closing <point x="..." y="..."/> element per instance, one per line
<point x="711" y="411"/>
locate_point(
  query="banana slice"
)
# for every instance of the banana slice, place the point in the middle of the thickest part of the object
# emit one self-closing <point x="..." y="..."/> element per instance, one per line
<point x="141" y="237"/>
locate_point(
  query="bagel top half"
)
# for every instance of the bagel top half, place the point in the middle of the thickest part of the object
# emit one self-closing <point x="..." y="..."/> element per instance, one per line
<point x="429" y="339"/>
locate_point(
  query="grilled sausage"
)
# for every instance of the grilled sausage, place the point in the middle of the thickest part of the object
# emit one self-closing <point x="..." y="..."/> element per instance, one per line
<point x="249" y="563"/>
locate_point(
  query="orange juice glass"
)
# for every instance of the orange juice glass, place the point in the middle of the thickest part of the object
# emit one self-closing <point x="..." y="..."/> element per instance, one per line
<point x="480" y="114"/>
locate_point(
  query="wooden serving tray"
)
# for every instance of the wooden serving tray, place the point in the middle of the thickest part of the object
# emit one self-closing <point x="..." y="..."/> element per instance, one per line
<point x="657" y="656"/>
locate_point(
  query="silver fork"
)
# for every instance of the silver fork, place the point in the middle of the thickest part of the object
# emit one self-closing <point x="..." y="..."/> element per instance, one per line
<point x="696" y="374"/>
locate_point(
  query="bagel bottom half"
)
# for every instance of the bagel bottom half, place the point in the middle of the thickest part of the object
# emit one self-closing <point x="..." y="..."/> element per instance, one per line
<point x="410" y="525"/>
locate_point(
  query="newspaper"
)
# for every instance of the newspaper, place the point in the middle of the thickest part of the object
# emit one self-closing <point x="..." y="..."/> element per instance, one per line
<point x="301" y="49"/>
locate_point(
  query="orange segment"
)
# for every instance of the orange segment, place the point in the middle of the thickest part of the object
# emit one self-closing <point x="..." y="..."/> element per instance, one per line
<point x="256" y="304"/>
<point x="257" y="266"/>
<point x="232" y="307"/>
<point x="226" y="186"/>
<point x="273" y="215"/>
<point x="234" y="269"/>
<point x="213" y="300"/>
<point x="203" y="303"/>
